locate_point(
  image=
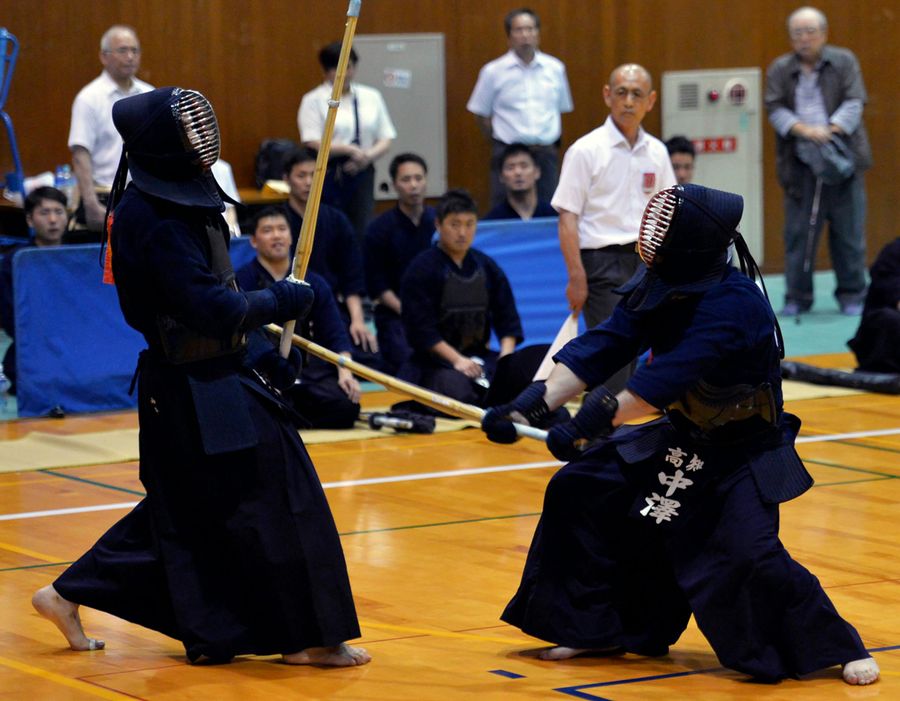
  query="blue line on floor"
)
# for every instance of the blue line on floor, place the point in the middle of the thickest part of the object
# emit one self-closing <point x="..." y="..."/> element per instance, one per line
<point x="577" y="692"/>
<point x="504" y="673"/>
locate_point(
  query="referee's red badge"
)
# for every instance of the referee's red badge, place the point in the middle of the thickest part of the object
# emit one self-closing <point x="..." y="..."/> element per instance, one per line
<point x="649" y="183"/>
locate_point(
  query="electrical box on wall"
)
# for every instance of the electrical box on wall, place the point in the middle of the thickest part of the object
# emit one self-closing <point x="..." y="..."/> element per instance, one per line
<point x="720" y="111"/>
<point x="408" y="69"/>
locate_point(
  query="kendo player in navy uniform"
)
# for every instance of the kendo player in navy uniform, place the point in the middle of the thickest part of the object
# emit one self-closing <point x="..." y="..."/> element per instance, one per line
<point x="234" y="549"/>
<point x="452" y="296"/>
<point x="648" y="524"/>
<point x="324" y="396"/>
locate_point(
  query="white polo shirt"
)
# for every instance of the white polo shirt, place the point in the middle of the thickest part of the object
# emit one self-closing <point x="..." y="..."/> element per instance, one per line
<point x="374" y="121"/>
<point x="92" y="124"/>
<point x="523" y="100"/>
<point x="607" y="183"/>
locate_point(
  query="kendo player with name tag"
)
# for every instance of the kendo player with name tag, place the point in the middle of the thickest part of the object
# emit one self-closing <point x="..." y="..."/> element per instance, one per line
<point x="648" y="524"/>
<point x="234" y="550"/>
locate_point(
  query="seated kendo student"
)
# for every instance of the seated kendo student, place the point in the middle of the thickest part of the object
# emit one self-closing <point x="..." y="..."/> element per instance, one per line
<point x="392" y="240"/>
<point x="324" y="395"/>
<point x="877" y="341"/>
<point x="335" y="255"/>
<point x="519" y="174"/>
<point x="452" y="297"/>
<point x="46" y="216"/>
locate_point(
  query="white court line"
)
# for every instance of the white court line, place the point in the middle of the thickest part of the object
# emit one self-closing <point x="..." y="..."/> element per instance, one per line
<point x="844" y="436"/>
<point x="73" y="510"/>
<point x="325" y="485"/>
<point x="423" y="476"/>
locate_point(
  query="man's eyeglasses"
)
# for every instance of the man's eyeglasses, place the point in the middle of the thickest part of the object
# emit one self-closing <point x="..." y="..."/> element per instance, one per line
<point x="124" y="51"/>
<point x="800" y="32"/>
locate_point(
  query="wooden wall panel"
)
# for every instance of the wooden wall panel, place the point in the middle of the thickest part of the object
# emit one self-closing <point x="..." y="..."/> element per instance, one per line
<point x="255" y="58"/>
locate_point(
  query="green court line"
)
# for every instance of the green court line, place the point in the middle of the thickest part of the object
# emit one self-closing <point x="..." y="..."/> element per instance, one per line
<point x="35" y="567"/>
<point x="95" y="483"/>
<point x="880" y="477"/>
<point x="873" y="479"/>
<point x="838" y="466"/>
<point x="853" y="444"/>
<point x="442" y="523"/>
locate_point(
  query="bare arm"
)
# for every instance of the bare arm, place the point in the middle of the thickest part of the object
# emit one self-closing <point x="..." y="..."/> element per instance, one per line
<point x="507" y="345"/>
<point x="336" y="149"/>
<point x="359" y="332"/>
<point x="348" y="383"/>
<point x="84" y="174"/>
<point x="576" y="289"/>
<point x="390" y="299"/>
<point x="563" y="385"/>
<point x="460" y="362"/>
<point x="820" y="134"/>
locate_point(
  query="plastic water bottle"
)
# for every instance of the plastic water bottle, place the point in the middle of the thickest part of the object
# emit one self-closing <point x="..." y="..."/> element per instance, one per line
<point x="64" y="181"/>
<point x="5" y="384"/>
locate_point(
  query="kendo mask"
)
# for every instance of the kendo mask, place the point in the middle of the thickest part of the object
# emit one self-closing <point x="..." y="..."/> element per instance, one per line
<point x="171" y="140"/>
<point x="683" y="240"/>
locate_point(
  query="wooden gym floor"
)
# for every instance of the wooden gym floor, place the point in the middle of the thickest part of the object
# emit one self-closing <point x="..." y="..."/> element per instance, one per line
<point x="435" y="530"/>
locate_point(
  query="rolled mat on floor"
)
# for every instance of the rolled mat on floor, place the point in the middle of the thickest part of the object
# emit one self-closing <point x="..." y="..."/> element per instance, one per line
<point x="883" y="382"/>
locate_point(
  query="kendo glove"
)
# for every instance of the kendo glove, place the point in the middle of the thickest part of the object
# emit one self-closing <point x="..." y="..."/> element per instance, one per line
<point x="593" y="420"/>
<point x="280" y="372"/>
<point x="530" y="404"/>
<point x="293" y="299"/>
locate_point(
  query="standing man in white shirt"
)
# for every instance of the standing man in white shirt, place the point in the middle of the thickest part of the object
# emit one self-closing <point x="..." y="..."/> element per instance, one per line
<point x="363" y="133"/>
<point x="519" y="98"/>
<point x="93" y="140"/>
<point x="608" y="176"/>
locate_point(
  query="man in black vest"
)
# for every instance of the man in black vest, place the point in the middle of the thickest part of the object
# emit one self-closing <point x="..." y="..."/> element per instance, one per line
<point x="452" y="297"/>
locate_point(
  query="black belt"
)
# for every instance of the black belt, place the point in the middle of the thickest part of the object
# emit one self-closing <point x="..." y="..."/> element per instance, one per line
<point x="612" y="248"/>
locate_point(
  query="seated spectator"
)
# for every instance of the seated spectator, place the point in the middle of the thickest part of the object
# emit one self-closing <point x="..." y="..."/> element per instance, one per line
<point x="335" y="254"/>
<point x="326" y="396"/>
<point x="452" y="297"/>
<point x="393" y="239"/>
<point x="682" y="154"/>
<point x="877" y="341"/>
<point x="519" y="174"/>
<point x="46" y="216"/>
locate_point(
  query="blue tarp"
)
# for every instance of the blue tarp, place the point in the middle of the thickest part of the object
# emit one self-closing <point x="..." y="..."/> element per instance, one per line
<point x="74" y="349"/>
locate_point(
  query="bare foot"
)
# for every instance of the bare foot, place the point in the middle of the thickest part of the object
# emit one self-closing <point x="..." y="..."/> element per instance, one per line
<point x="864" y="671"/>
<point x="342" y="655"/>
<point x="567" y="653"/>
<point x="64" y="614"/>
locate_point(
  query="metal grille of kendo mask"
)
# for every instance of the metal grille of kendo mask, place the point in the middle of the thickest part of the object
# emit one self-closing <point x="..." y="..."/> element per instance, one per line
<point x="198" y="123"/>
<point x="655" y="223"/>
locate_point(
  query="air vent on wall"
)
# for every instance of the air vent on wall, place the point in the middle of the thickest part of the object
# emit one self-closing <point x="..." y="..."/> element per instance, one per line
<point x="688" y="96"/>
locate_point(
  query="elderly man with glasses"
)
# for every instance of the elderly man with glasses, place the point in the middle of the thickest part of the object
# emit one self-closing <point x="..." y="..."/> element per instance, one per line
<point x="815" y="97"/>
<point x="93" y="140"/>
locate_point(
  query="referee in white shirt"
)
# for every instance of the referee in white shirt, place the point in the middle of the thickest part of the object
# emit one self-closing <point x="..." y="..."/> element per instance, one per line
<point x="519" y="98"/>
<point x="93" y="140"/>
<point x="607" y="178"/>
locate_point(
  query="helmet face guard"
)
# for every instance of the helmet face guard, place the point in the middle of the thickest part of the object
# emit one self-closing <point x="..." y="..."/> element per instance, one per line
<point x="200" y="129"/>
<point x="683" y="240"/>
<point x="655" y="223"/>
<point x="171" y="140"/>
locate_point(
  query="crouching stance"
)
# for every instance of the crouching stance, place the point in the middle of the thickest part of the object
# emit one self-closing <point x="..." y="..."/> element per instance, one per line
<point x="648" y="524"/>
<point x="234" y="550"/>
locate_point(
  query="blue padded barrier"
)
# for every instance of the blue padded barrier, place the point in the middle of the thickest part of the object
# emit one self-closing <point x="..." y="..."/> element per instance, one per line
<point x="74" y="349"/>
<point x="528" y="252"/>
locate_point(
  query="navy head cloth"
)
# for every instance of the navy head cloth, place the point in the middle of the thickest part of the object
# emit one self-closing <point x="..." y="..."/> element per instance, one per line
<point x="171" y="140"/>
<point x="683" y="241"/>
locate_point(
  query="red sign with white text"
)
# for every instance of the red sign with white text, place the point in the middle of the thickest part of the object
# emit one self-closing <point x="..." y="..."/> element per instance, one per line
<point x="716" y="144"/>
